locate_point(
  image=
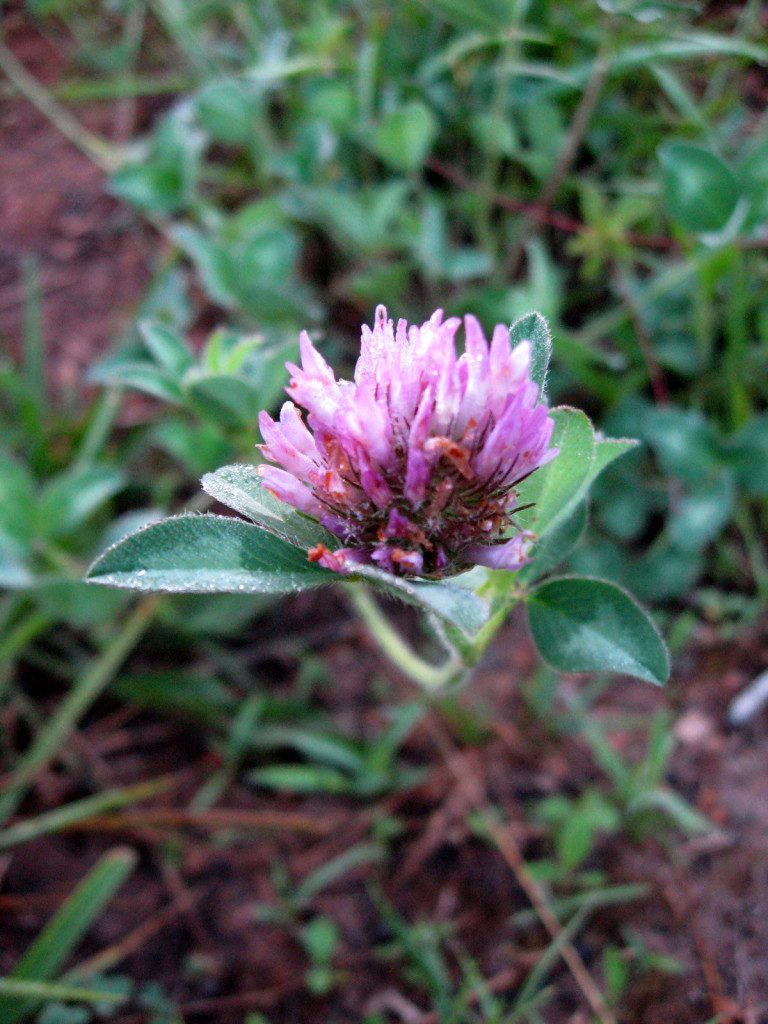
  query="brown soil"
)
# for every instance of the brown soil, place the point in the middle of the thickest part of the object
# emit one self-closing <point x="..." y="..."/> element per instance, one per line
<point x="192" y="927"/>
<point x="94" y="255"/>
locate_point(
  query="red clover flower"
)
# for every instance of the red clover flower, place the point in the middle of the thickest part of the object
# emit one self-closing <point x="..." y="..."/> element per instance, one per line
<point x="414" y="464"/>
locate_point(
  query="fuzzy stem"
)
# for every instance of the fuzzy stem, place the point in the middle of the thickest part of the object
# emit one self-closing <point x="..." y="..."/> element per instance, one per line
<point x="431" y="677"/>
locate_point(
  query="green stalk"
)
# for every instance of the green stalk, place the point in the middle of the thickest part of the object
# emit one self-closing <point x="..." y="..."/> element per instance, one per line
<point x="79" y="810"/>
<point x="753" y="542"/>
<point x="103" y="154"/>
<point x="22" y="993"/>
<point x="34" y="345"/>
<point x="99" y="427"/>
<point x="737" y="340"/>
<point x="431" y="677"/>
<point x="44" y="991"/>
<point x="17" y="638"/>
<point x="51" y="738"/>
<point x="15" y="641"/>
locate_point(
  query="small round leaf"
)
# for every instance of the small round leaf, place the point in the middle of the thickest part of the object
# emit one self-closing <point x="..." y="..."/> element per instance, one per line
<point x="580" y="624"/>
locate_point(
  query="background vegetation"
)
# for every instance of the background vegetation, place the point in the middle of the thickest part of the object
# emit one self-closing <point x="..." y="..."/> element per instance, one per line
<point x="297" y="163"/>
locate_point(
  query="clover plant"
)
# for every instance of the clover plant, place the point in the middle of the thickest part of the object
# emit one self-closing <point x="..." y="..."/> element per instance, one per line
<point x="440" y="478"/>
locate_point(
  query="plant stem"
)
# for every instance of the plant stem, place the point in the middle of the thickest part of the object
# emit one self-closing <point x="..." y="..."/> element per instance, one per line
<point x="51" y="738"/>
<point x="103" y="154"/>
<point x="430" y="677"/>
<point x="79" y="810"/>
<point x="570" y="147"/>
<point x="755" y="551"/>
<point x="99" y="427"/>
<point x="17" y="638"/>
<point x="18" y="988"/>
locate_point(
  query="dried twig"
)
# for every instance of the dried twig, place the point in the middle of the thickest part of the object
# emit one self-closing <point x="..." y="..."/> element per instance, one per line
<point x="539" y="214"/>
<point x="211" y="820"/>
<point x="645" y="343"/>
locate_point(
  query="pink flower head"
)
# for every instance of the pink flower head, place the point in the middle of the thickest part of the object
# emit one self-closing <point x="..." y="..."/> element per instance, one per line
<point x="414" y="464"/>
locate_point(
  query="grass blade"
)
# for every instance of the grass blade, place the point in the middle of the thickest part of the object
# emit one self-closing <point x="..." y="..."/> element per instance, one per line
<point x="79" y="810"/>
<point x="84" y="692"/>
<point x="61" y="935"/>
<point x="43" y="991"/>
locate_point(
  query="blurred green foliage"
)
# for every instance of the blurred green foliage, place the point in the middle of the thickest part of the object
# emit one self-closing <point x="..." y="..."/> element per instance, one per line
<point x="323" y="157"/>
<point x="602" y="162"/>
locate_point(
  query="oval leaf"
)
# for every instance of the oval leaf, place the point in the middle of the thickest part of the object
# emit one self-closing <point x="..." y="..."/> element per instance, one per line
<point x="404" y="137"/>
<point x="533" y="328"/>
<point x="580" y="624"/>
<point x="557" y="488"/>
<point x="555" y="547"/>
<point x="207" y="554"/>
<point x="700" y="191"/>
<point x="239" y="487"/>
<point x="447" y="599"/>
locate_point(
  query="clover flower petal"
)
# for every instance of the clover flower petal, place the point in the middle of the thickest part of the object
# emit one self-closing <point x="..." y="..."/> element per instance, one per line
<point x="413" y="464"/>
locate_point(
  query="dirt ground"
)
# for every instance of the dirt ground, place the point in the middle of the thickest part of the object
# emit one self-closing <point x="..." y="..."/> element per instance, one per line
<point x="94" y="256"/>
<point x="191" y="926"/>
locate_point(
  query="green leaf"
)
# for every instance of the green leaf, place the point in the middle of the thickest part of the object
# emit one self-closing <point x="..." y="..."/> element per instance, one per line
<point x="199" y="447"/>
<point x="534" y="328"/>
<point x="211" y="261"/>
<point x="753" y="178"/>
<point x="490" y="15"/>
<point x="59" y="938"/>
<point x="575" y="839"/>
<point x="240" y="488"/>
<point x="78" y="604"/>
<point x="166" y="347"/>
<point x="494" y="134"/>
<point x="632" y="56"/>
<point x="330" y="871"/>
<point x="165" y="180"/>
<point x="135" y="373"/>
<point x="72" y="497"/>
<point x="684" y="442"/>
<point x="675" y="807"/>
<point x="700" y="191"/>
<point x="320" y="939"/>
<point x="700" y="515"/>
<point x="451" y="602"/>
<point x="580" y="624"/>
<point x="177" y="692"/>
<point x="214" y="615"/>
<point x="207" y="554"/>
<point x="556" y="545"/>
<point x="49" y="822"/>
<point x="403" y="139"/>
<point x="615" y="972"/>
<point x="607" y="450"/>
<point x="302" y="778"/>
<point x="15" y="571"/>
<point x="226" y="400"/>
<point x="227" y="110"/>
<point x="747" y="455"/>
<point x="39" y="991"/>
<point x="18" y="498"/>
<point x="558" y="487"/>
<point x="333" y="751"/>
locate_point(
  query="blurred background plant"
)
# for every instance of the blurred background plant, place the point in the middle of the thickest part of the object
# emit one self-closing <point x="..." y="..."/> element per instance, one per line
<point x="296" y="163"/>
